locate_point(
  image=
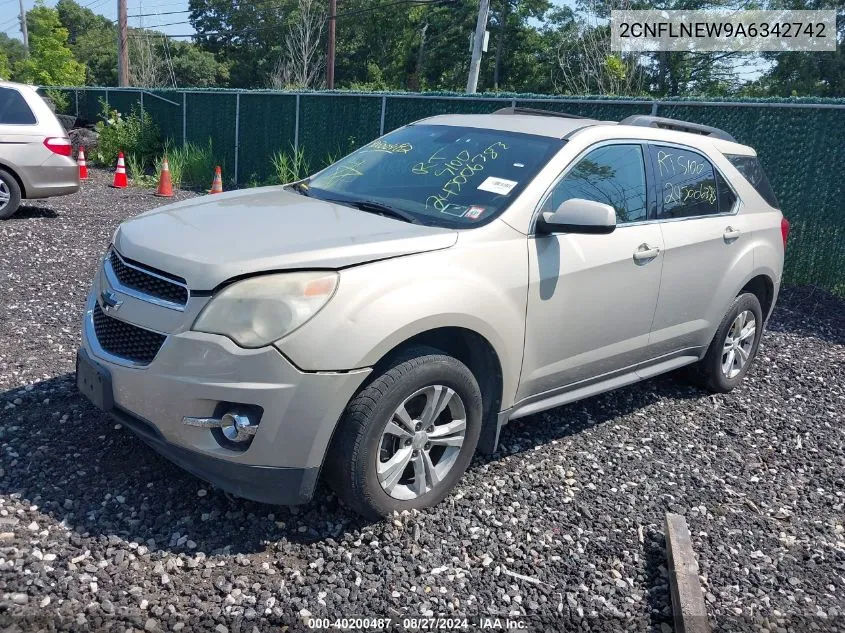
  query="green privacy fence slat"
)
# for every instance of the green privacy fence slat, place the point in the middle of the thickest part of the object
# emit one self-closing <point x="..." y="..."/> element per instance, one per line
<point x="124" y="100"/>
<point x="605" y="112"/>
<point x="800" y="147"/>
<point x="329" y="126"/>
<point x="212" y="116"/>
<point x="400" y="111"/>
<point x="166" y="111"/>
<point x="89" y="103"/>
<point x="267" y="125"/>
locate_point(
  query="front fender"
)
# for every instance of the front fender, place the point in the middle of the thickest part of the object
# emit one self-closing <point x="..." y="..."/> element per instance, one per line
<point x="481" y="286"/>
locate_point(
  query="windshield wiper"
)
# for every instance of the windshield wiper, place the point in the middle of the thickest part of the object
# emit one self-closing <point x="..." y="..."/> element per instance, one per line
<point x="371" y="206"/>
<point x="300" y="187"/>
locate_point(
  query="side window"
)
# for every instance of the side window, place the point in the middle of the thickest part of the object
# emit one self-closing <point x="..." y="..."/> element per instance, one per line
<point x="614" y="175"/>
<point x="688" y="184"/>
<point x="750" y="167"/>
<point x="14" y="109"/>
<point x="727" y="198"/>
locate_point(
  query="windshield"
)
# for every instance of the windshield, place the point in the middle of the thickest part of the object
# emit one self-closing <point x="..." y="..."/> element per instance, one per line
<point x="438" y="174"/>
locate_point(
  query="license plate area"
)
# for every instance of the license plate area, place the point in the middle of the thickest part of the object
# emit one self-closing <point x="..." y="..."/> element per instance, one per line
<point x="94" y="381"/>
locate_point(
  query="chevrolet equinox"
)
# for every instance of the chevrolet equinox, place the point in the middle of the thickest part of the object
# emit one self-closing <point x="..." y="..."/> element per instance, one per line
<point x="378" y="322"/>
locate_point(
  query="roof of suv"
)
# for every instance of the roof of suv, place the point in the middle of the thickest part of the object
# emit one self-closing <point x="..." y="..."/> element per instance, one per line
<point x="555" y="125"/>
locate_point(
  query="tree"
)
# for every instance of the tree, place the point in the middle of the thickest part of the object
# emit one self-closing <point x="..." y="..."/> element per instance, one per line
<point x="796" y="73"/>
<point x="587" y="65"/>
<point x="302" y="60"/>
<point x="13" y="49"/>
<point x="5" y="68"/>
<point x="246" y="37"/>
<point x="194" y="67"/>
<point x="92" y="39"/>
<point x="50" y="61"/>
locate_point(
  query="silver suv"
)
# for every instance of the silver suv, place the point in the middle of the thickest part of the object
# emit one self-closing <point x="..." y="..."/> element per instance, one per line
<point x="35" y="152"/>
<point x="380" y="321"/>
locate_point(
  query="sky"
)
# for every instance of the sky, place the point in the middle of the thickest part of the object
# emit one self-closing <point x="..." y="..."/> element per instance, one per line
<point x="151" y="10"/>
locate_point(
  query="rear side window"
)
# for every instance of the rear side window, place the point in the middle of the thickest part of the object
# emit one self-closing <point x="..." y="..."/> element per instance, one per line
<point x="688" y="184"/>
<point x="750" y="167"/>
<point x="14" y="109"/>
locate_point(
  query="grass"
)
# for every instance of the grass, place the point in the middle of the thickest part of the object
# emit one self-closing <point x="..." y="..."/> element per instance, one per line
<point x="191" y="165"/>
<point x="290" y="167"/>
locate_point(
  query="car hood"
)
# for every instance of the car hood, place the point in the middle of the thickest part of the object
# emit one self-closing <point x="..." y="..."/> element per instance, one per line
<point x="209" y="240"/>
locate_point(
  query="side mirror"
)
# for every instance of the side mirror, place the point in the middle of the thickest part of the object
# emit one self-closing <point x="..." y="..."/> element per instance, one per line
<point x="578" y="216"/>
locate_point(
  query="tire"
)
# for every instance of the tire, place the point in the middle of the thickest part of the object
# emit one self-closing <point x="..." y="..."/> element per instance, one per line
<point x="10" y="195"/>
<point x="363" y="443"/>
<point x="713" y="372"/>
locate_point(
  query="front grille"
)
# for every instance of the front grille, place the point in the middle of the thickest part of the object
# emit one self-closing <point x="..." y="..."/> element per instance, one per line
<point x="125" y="340"/>
<point x="146" y="283"/>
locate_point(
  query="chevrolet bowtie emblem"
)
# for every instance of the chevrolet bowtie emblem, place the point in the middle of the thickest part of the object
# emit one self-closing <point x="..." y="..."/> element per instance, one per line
<point x="110" y="301"/>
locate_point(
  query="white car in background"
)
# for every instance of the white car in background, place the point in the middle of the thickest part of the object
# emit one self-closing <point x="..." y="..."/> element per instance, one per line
<point x="35" y="151"/>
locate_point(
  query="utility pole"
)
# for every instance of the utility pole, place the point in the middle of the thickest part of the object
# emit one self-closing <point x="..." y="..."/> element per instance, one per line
<point x="23" y="28"/>
<point x="122" y="45"/>
<point x="477" y="46"/>
<point x="330" y="61"/>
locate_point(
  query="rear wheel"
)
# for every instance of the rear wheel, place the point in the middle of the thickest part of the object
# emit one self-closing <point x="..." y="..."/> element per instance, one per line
<point x="10" y="195"/>
<point x="406" y="439"/>
<point x="734" y="345"/>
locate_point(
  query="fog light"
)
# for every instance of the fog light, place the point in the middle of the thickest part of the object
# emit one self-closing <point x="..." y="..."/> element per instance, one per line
<point x="237" y="427"/>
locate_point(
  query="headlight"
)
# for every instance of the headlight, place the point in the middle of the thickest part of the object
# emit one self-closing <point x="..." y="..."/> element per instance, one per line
<point x="260" y="310"/>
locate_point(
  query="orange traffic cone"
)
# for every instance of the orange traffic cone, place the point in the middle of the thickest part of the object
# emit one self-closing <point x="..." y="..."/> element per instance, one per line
<point x="120" y="181"/>
<point x="83" y="166"/>
<point x="217" y="183"/>
<point x="165" y="187"/>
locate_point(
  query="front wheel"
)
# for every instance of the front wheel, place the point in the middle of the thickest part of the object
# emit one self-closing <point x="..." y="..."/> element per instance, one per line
<point x="734" y="345"/>
<point x="406" y="439"/>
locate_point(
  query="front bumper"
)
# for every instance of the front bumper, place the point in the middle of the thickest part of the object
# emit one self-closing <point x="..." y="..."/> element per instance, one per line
<point x="193" y="374"/>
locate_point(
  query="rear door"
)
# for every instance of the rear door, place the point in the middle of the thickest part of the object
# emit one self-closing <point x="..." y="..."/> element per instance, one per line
<point x="708" y="249"/>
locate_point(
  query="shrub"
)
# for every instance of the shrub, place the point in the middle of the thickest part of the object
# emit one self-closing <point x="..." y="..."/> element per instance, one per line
<point x="136" y="134"/>
<point x="60" y="99"/>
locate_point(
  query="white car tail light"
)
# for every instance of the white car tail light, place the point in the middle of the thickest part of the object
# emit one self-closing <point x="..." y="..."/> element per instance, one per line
<point x="58" y="145"/>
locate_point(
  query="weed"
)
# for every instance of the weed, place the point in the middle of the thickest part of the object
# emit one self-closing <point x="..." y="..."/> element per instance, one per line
<point x="290" y="167"/>
<point x="190" y="165"/>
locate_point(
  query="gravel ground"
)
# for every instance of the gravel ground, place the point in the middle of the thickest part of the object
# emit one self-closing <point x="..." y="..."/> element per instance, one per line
<point x="561" y="530"/>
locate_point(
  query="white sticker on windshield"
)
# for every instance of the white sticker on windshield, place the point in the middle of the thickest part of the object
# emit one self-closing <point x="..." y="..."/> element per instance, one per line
<point x="498" y="185"/>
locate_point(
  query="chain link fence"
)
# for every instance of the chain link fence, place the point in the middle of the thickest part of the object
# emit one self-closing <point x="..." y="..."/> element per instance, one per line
<point x="801" y="142"/>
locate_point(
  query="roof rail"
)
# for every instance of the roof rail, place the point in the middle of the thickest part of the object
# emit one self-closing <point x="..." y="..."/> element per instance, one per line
<point x="644" y="120"/>
<point x="538" y="112"/>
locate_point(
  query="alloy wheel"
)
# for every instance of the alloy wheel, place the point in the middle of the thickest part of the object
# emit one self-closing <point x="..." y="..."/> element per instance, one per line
<point x="5" y="195"/>
<point x="421" y="442"/>
<point x="736" y="349"/>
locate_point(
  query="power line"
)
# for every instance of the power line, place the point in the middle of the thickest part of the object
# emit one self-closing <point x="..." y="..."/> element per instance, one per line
<point x="147" y="15"/>
<point x="255" y="29"/>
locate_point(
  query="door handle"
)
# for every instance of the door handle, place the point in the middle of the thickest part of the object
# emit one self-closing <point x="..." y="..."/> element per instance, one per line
<point x="731" y="233"/>
<point x="645" y="253"/>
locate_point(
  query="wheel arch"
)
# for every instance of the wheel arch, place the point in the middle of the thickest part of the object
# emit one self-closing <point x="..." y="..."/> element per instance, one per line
<point x="474" y="351"/>
<point x="11" y="170"/>
<point x="763" y="287"/>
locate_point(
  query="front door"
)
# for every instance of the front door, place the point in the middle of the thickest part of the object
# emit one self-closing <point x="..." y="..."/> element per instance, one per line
<point x="591" y="298"/>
